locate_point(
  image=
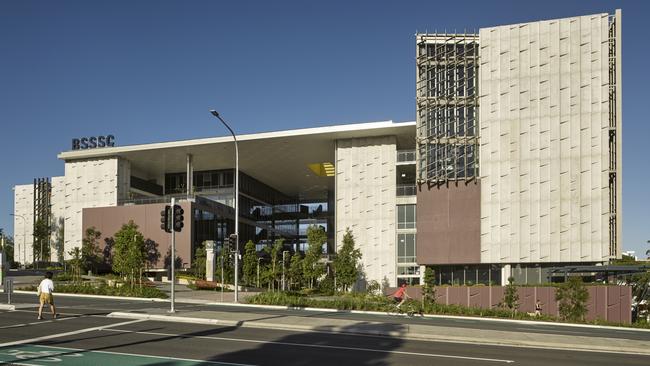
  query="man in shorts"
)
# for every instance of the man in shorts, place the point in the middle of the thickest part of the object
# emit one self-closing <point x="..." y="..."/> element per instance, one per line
<point x="45" y="289"/>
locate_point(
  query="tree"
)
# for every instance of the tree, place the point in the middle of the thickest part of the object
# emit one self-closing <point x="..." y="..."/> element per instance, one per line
<point x="41" y="236"/>
<point x="90" y="249"/>
<point x="76" y="263"/>
<point x="274" y="268"/>
<point x="198" y="264"/>
<point x="59" y="242"/>
<point x="250" y="263"/>
<point x="152" y="254"/>
<point x="572" y="297"/>
<point x="312" y="268"/>
<point x="107" y="252"/>
<point x="8" y="248"/>
<point x="511" y="297"/>
<point x="346" y="262"/>
<point x="295" y="277"/>
<point x="429" y="288"/>
<point x="129" y="252"/>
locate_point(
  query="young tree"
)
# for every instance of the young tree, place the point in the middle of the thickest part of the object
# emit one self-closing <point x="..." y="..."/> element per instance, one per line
<point x="41" y="244"/>
<point x="429" y="288"/>
<point x="200" y="257"/>
<point x="8" y="248"/>
<point x="250" y="263"/>
<point x="311" y="266"/>
<point x="59" y="242"/>
<point x="76" y="263"/>
<point x="572" y="296"/>
<point x="129" y="252"/>
<point x="510" y="296"/>
<point x="107" y="252"/>
<point x="295" y="271"/>
<point x="273" y="270"/>
<point x="90" y="249"/>
<point x="152" y="254"/>
<point x="346" y="262"/>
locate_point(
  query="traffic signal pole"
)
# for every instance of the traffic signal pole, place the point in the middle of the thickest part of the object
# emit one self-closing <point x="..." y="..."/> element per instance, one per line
<point x="173" y="260"/>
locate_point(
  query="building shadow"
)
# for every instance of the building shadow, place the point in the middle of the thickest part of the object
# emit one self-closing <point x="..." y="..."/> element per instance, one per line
<point x="364" y="343"/>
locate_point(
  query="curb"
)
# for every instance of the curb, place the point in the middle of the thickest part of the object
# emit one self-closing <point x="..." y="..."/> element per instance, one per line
<point x="406" y="334"/>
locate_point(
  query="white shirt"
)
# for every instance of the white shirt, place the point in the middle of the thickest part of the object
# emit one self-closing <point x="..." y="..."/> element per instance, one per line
<point x="46" y="286"/>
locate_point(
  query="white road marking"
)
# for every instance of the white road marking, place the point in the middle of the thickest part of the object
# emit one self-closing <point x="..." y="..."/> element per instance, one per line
<point x="316" y="346"/>
<point x="149" y="356"/>
<point x="58" y="335"/>
<point x="544" y="331"/>
<point x="36" y="323"/>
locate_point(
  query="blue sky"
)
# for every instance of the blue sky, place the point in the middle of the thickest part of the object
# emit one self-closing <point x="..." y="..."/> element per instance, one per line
<point x="149" y="71"/>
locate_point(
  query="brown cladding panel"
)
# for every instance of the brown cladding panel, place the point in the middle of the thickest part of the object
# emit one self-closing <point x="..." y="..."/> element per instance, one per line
<point x="109" y="220"/>
<point x="448" y="224"/>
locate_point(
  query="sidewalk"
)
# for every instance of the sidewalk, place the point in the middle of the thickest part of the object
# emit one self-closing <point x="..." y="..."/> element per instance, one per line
<point x="316" y="323"/>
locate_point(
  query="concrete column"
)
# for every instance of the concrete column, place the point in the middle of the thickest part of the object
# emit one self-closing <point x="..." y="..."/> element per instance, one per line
<point x="506" y="271"/>
<point x="210" y="259"/>
<point x="190" y="176"/>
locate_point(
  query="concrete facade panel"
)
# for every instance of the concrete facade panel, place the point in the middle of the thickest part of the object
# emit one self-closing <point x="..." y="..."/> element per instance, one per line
<point x="540" y="169"/>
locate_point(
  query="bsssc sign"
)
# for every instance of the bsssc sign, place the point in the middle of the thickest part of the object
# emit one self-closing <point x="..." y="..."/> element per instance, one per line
<point x="93" y="142"/>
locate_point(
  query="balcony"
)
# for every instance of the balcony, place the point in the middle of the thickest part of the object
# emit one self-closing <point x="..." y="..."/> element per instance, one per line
<point x="406" y="157"/>
<point x="406" y="190"/>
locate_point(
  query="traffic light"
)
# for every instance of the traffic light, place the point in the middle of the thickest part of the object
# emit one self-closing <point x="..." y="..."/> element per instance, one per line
<point x="165" y="216"/>
<point x="232" y="241"/>
<point x="178" y="218"/>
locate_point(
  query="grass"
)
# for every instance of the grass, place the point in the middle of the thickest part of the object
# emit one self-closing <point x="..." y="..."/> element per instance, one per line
<point x="103" y="289"/>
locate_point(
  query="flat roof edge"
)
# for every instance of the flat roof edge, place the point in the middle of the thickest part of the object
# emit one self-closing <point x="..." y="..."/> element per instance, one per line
<point x="110" y="151"/>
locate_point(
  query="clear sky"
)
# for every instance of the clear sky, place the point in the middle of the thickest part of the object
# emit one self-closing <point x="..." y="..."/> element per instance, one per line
<point x="149" y="71"/>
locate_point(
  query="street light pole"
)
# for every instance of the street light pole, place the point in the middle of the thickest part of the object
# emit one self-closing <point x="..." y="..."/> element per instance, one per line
<point x="24" y="238"/>
<point x="258" y="272"/>
<point x="284" y="286"/>
<point x="216" y="114"/>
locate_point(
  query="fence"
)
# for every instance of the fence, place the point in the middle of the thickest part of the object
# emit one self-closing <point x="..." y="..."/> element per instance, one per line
<point x="608" y="303"/>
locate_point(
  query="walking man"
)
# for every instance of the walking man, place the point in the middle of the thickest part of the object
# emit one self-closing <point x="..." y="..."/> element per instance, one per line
<point x="45" y="289"/>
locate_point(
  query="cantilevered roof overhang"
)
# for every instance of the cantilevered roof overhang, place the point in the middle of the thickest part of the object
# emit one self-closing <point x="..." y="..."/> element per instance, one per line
<point x="280" y="159"/>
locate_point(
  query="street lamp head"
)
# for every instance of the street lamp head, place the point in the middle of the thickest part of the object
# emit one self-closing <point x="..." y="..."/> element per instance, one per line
<point x="214" y="113"/>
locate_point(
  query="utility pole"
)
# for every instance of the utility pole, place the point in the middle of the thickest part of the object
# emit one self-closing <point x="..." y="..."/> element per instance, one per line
<point x="216" y="114"/>
<point x="173" y="260"/>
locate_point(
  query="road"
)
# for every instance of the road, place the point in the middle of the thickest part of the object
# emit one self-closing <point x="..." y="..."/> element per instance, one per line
<point x="84" y="335"/>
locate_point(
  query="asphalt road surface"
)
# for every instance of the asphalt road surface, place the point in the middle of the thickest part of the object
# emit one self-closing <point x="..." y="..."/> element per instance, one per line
<point x="85" y="336"/>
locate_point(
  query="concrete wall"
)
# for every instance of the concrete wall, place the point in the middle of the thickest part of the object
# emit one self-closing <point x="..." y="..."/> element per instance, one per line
<point x="58" y="201"/>
<point x="448" y="223"/>
<point x="544" y="141"/>
<point x="609" y="303"/>
<point x="88" y="183"/>
<point x="365" y="202"/>
<point x="24" y="228"/>
<point x="109" y="220"/>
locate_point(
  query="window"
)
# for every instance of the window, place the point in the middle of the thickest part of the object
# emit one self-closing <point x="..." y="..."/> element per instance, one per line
<point x="405" y="248"/>
<point x="406" y="216"/>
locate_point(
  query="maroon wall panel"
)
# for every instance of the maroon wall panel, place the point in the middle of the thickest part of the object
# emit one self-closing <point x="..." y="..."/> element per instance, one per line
<point x="610" y="303"/>
<point x="448" y="223"/>
<point x="109" y="220"/>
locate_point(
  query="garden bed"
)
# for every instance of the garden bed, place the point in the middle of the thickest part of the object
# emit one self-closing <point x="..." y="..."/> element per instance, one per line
<point x="103" y="289"/>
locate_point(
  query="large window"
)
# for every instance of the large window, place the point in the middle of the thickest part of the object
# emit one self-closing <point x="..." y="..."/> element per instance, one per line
<point x="405" y="248"/>
<point x="406" y="216"/>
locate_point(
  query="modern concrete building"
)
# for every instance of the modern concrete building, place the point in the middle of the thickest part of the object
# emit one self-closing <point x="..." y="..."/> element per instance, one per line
<point x="512" y="166"/>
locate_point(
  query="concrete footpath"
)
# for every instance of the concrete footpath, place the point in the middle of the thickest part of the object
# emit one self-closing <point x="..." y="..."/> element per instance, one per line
<point x="316" y="323"/>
